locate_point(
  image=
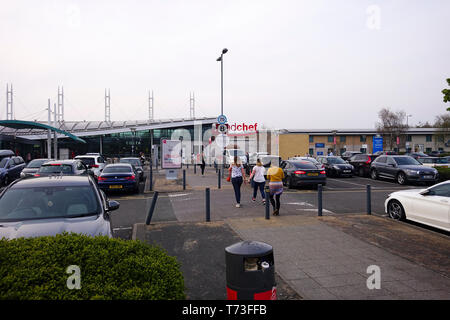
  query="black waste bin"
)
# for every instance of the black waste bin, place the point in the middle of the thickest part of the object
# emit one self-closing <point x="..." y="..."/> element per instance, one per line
<point x="250" y="271"/>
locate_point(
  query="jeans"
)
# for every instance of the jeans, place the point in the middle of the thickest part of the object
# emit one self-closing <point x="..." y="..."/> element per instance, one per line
<point x="237" y="182"/>
<point x="260" y="186"/>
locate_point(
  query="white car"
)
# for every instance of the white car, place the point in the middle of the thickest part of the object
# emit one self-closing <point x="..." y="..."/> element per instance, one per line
<point x="231" y="153"/>
<point x="94" y="162"/>
<point x="429" y="206"/>
<point x="435" y="162"/>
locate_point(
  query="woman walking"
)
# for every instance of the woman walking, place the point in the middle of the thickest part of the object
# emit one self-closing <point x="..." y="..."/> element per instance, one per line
<point x="237" y="174"/>
<point x="276" y="176"/>
<point x="258" y="180"/>
<point x="203" y="164"/>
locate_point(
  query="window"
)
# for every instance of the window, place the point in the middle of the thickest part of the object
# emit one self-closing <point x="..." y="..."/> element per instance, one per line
<point x="311" y="138"/>
<point x="342" y="138"/>
<point x="428" y="150"/>
<point x="311" y="151"/>
<point x="330" y="139"/>
<point x="381" y="160"/>
<point x="390" y="161"/>
<point x="408" y="138"/>
<point x="362" y="138"/>
<point x="442" y="190"/>
<point x="428" y="138"/>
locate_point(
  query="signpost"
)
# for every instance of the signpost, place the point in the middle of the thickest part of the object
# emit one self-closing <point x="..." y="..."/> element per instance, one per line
<point x="377" y="143"/>
<point x="171" y="157"/>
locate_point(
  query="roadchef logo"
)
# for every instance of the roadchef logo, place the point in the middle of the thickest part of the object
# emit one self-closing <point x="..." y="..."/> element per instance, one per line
<point x="241" y="129"/>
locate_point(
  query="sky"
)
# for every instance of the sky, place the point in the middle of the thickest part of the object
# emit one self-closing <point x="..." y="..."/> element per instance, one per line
<point x="290" y="64"/>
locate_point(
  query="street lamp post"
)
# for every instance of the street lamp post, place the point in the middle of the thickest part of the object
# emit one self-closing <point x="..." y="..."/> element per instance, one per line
<point x="225" y="50"/>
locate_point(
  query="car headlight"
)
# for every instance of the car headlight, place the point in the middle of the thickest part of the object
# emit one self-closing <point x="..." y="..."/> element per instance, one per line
<point x="336" y="167"/>
<point x="411" y="171"/>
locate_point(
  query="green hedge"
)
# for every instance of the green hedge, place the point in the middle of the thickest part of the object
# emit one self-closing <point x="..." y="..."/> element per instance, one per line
<point x="444" y="173"/>
<point x="35" y="268"/>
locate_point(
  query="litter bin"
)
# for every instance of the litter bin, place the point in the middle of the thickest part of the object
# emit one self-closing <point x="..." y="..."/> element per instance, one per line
<point x="250" y="271"/>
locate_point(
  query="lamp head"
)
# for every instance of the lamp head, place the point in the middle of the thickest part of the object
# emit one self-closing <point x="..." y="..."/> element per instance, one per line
<point x="219" y="59"/>
<point x="224" y="51"/>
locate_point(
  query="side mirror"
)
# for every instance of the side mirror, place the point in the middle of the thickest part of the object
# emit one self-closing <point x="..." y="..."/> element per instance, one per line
<point x="425" y="192"/>
<point x="112" y="205"/>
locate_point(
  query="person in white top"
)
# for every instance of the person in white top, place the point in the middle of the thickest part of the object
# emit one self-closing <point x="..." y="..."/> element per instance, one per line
<point x="258" y="180"/>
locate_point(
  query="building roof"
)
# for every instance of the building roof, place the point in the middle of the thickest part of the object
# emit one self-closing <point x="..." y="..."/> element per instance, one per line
<point x="356" y="131"/>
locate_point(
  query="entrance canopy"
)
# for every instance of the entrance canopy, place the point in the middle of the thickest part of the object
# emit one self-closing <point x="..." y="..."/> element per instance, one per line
<point x="20" y="124"/>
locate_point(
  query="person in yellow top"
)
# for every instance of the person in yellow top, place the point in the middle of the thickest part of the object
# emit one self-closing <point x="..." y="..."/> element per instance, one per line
<point x="276" y="176"/>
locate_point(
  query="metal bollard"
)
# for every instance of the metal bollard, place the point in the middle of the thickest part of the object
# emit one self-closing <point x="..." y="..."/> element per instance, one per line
<point x="319" y="205"/>
<point x="369" y="200"/>
<point x="184" y="179"/>
<point x="267" y="204"/>
<point x="152" y="208"/>
<point x="218" y="179"/>
<point x="195" y="169"/>
<point x="151" y="177"/>
<point x="208" y="204"/>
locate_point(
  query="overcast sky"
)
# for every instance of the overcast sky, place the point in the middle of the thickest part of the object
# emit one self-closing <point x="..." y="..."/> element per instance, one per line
<point x="290" y="64"/>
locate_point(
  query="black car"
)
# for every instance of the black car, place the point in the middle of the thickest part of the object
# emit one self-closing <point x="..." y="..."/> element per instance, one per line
<point x="33" y="167"/>
<point x="361" y="163"/>
<point x="348" y="154"/>
<point x="47" y="206"/>
<point x="402" y="169"/>
<point x="63" y="167"/>
<point x="136" y="162"/>
<point x="119" y="177"/>
<point x="300" y="173"/>
<point x="418" y="155"/>
<point x="336" y="166"/>
<point x="10" y="168"/>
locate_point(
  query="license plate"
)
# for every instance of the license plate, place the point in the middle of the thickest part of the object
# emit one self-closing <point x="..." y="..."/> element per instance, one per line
<point x="347" y="171"/>
<point x="428" y="177"/>
<point x="313" y="174"/>
<point x="118" y="186"/>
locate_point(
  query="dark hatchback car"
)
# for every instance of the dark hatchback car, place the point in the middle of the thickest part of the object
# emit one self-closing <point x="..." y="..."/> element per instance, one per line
<point x="402" y="169"/>
<point x="47" y="206"/>
<point x="119" y="177"/>
<point x="302" y="173"/>
<point x="348" y="154"/>
<point x="136" y="162"/>
<point x="63" y="167"/>
<point x="10" y="169"/>
<point x="336" y="166"/>
<point x="361" y="163"/>
<point x="33" y="167"/>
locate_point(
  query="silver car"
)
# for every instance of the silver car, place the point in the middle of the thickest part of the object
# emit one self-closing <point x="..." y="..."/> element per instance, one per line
<point x="47" y="206"/>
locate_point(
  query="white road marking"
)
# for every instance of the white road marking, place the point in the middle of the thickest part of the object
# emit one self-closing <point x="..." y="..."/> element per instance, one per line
<point x="323" y="210"/>
<point x="356" y="184"/>
<point x="178" y="194"/>
<point x="301" y="204"/>
<point x="122" y="228"/>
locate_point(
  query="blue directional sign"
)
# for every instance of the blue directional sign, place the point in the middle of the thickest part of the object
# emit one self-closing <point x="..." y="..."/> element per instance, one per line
<point x="320" y="153"/>
<point x="320" y="145"/>
<point x="221" y="119"/>
<point x="377" y="144"/>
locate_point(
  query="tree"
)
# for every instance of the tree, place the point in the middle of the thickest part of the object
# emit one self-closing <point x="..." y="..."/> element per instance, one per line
<point x="443" y="123"/>
<point x="446" y="93"/>
<point x="391" y="126"/>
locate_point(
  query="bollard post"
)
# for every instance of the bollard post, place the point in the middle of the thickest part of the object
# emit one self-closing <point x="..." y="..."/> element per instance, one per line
<point x="218" y="179"/>
<point x="184" y="179"/>
<point x="369" y="200"/>
<point x="151" y="177"/>
<point x="319" y="205"/>
<point x="195" y="168"/>
<point x="208" y="204"/>
<point x="267" y="205"/>
<point x="152" y="208"/>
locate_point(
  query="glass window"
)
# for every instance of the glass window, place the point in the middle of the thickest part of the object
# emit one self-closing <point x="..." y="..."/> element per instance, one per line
<point x="428" y="150"/>
<point x="117" y="169"/>
<point x="381" y="159"/>
<point x="362" y="138"/>
<point x="36" y="163"/>
<point x="404" y="161"/>
<point x="311" y="138"/>
<point x="87" y="161"/>
<point x="48" y="202"/>
<point x="429" y="138"/>
<point x="56" y="168"/>
<point x="408" y="138"/>
<point x="343" y="138"/>
<point x="330" y="139"/>
<point x="391" y="161"/>
<point x="3" y="162"/>
<point x="336" y="160"/>
<point x="135" y="162"/>
<point x="304" y="165"/>
<point x="311" y="151"/>
<point x="441" y="190"/>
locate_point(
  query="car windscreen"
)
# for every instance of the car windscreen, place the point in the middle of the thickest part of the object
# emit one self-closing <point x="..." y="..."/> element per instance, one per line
<point x="117" y="169"/>
<point x="48" y="202"/>
<point x="135" y="162"/>
<point x="36" y="163"/>
<point x="56" y="168"/>
<point x="336" y="161"/>
<point x="87" y="161"/>
<point x="405" y="161"/>
<point x="3" y="162"/>
<point x="304" y="165"/>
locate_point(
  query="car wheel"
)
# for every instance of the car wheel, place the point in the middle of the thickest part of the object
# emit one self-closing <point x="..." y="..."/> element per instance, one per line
<point x="6" y="181"/>
<point x="395" y="210"/>
<point x="374" y="174"/>
<point x="401" y="178"/>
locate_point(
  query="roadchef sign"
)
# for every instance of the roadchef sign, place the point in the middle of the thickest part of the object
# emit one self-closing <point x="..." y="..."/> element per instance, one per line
<point x="171" y="154"/>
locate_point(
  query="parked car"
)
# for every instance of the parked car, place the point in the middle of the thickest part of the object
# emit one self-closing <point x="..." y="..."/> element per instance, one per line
<point x="361" y="163"/>
<point x="402" y="169"/>
<point x="255" y="156"/>
<point x="270" y="159"/>
<point x="435" y="162"/>
<point x="336" y="166"/>
<point x="429" y="206"/>
<point x="45" y="207"/>
<point x="231" y="153"/>
<point x="348" y="154"/>
<point x="93" y="161"/>
<point x="119" y="177"/>
<point x="388" y="152"/>
<point x="63" y="167"/>
<point x="6" y="154"/>
<point x="136" y="162"/>
<point x="10" y="169"/>
<point x="417" y="155"/>
<point x="436" y="153"/>
<point x="32" y="167"/>
<point x="300" y="173"/>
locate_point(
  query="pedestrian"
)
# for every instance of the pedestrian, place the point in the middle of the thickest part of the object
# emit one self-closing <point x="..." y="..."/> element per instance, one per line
<point x="202" y="164"/>
<point x="259" y="181"/>
<point x="236" y="174"/>
<point x="276" y="176"/>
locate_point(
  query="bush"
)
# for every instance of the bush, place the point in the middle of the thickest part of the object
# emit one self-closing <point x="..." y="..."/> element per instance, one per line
<point x="35" y="268"/>
<point x="444" y="173"/>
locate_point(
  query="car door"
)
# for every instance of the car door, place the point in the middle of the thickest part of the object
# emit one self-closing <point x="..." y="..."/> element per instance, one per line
<point x="391" y="168"/>
<point x="433" y="208"/>
<point x="380" y="166"/>
<point x="11" y="167"/>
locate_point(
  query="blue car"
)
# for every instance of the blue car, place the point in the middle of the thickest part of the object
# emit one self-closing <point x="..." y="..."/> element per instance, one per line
<point x="10" y="167"/>
<point x="119" y="177"/>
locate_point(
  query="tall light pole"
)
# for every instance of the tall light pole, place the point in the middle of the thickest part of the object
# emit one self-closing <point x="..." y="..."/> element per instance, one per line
<point x="221" y="78"/>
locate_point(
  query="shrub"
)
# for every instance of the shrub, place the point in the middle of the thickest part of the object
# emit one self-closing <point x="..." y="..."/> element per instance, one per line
<point x="35" y="268"/>
<point x="444" y="173"/>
